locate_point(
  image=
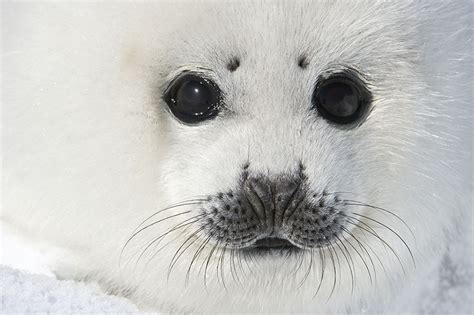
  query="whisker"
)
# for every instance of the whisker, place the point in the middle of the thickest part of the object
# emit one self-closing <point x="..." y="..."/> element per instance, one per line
<point x="302" y="259"/>
<point x="169" y="242"/>
<point x="323" y="268"/>
<point x="358" y="253"/>
<point x="158" y="239"/>
<point x="233" y="269"/>
<point x="378" y="258"/>
<point x="398" y="235"/>
<point x="299" y="262"/>
<point x="211" y="253"/>
<point x="347" y="260"/>
<point x="148" y="226"/>
<point x="308" y="270"/>
<point x="338" y="264"/>
<point x="362" y="247"/>
<point x="361" y="222"/>
<point x="181" y="251"/>
<point x="335" y="272"/>
<point x="179" y="204"/>
<point x="366" y="225"/>
<point x="185" y="223"/>
<point x="358" y="203"/>
<point x="246" y="260"/>
<point x="221" y="263"/>
<point x="195" y="256"/>
<point x="383" y="241"/>
<point x="239" y="262"/>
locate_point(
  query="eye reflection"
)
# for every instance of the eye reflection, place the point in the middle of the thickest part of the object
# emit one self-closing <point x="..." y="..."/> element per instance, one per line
<point x="192" y="99"/>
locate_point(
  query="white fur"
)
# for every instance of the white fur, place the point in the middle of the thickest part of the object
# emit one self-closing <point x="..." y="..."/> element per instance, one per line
<point x="89" y="150"/>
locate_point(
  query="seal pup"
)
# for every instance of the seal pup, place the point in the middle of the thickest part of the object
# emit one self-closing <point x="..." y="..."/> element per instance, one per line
<point x="240" y="157"/>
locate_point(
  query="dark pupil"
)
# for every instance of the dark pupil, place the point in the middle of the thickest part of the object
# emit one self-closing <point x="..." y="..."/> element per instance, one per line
<point x="193" y="98"/>
<point x="339" y="99"/>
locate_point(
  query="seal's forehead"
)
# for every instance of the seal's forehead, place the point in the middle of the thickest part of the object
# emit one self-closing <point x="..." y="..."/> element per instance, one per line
<point x="277" y="32"/>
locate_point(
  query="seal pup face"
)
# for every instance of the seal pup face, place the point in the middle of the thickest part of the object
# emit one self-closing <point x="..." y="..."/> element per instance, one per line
<point x="265" y="203"/>
<point x="299" y="144"/>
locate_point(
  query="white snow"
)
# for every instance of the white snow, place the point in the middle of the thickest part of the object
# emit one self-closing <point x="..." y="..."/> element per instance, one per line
<point x="18" y="253"/>
<point x="27" y="285"/>
<point x="22" y="292"/>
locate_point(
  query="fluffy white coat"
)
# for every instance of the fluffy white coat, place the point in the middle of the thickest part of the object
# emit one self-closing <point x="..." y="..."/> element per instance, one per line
<point x="89" y="150"/>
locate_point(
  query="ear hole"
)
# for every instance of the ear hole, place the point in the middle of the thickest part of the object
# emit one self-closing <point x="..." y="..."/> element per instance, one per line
<point x="233" y="64"/>
<point x="303" y="62"/>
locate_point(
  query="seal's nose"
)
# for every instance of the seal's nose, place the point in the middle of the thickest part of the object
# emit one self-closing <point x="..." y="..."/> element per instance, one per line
<point x="272" y="198"/>
<point x="272" y="208"/>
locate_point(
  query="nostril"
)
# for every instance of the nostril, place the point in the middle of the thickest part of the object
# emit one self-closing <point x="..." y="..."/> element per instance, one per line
<point x="286" y="186"/>
<point x="261" y="187"/>
<point x="258" y="194"/>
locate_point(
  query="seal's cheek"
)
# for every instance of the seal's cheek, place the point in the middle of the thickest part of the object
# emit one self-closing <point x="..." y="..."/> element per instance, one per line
<point x="190" y="170"/>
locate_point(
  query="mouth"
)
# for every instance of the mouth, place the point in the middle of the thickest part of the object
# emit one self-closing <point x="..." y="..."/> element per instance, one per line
<point x="272" y="245"/>
<point x="273" y="242"/>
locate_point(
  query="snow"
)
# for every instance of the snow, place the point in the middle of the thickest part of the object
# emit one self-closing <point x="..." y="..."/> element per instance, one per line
<point x="451" y="291"/>
<point x="23" y="292"/>
<point x="27" y="285"/>
<point x="18" y="253"/>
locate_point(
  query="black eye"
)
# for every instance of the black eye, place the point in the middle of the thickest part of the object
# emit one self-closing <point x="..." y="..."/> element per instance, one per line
<point x="341" y="99"/>
<point x="192" y="98"/>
